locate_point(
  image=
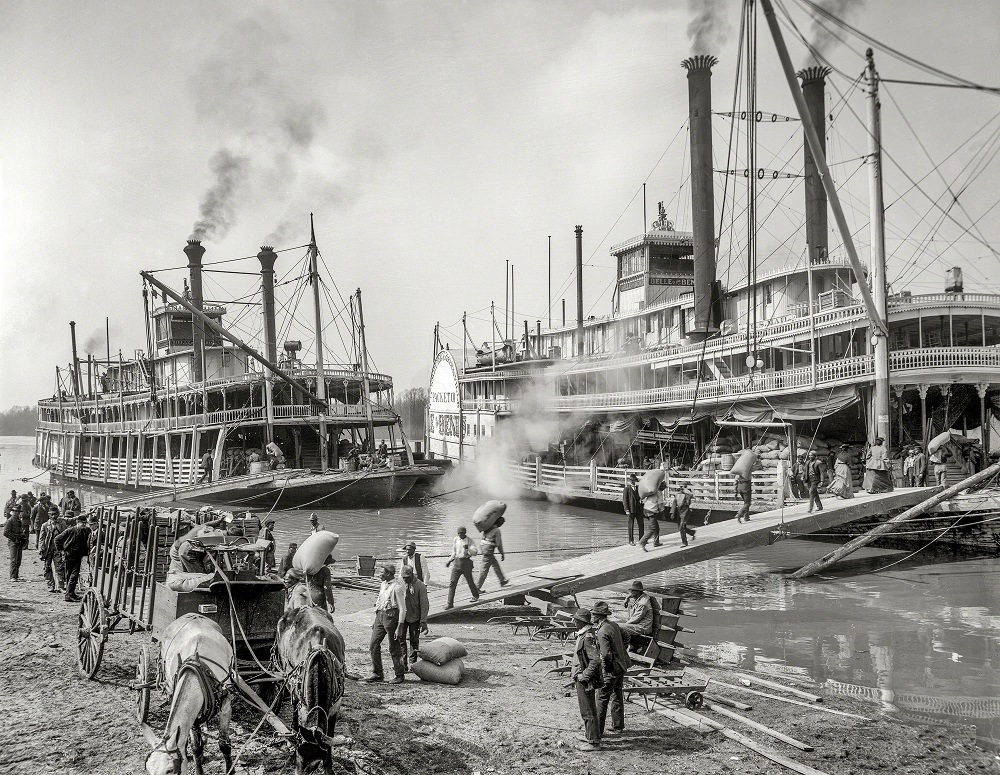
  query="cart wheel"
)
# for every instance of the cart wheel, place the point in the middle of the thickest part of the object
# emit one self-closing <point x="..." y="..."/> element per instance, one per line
<point x="91" y="633"/>
<point x="143" y="683"/>
<point x="694" y="700"/>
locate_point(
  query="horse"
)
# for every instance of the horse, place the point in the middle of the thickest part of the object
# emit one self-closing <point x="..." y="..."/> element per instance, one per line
<point x="309" y="649"/>
<point x="197" y="663"/>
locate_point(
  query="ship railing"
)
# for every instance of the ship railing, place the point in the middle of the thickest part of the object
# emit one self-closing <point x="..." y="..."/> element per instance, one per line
<point x="334" y="410"/>
<point x="945" y="357"/>
<point x="705" y="486"/>
<point x="946" y="299"/>
<point x="486" y="404"/>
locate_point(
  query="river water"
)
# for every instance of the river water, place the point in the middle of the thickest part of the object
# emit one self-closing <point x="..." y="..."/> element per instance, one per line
<point x="921" y="636"/>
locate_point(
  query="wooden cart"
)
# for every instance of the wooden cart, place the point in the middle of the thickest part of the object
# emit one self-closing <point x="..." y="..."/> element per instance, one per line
<point x="129" y="564"/>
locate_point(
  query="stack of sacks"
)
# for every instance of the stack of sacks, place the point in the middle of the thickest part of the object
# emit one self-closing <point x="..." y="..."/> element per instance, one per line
<point x="441" y="661"/>
<point x="719" y="456"/>
<point x="772" y="447"/>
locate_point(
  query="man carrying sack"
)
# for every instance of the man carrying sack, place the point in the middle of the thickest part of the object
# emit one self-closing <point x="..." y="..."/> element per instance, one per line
<point x="587" y="676"/>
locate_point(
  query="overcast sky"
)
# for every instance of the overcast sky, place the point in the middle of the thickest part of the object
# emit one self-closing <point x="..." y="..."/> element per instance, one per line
<point x="433" y="141"/>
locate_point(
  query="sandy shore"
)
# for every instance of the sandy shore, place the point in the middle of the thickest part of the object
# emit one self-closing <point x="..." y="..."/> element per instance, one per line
<point x="504" y="718"/>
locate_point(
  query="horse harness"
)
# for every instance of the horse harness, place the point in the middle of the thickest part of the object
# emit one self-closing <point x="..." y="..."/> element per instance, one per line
<point x="298" y="679"/>
<point x="213" y="692"/>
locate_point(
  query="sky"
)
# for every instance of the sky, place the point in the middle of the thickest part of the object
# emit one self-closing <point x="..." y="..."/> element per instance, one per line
<point x="434" y="141"/>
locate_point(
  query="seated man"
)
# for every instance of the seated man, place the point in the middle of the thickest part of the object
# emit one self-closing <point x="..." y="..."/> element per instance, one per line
<point x="640" y="614"/>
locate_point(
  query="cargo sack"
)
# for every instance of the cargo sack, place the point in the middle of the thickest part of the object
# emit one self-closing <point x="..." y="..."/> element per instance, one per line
<point x="745" y="464"/>
<point x="650" y="482"/>
<point x="312" y="555"/>
<point x="450" y="673"/>
<point x="487" y="515"/>
<point x="442" y="650"/>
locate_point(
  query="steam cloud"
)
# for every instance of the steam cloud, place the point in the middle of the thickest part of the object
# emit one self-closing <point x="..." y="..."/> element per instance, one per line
<point x="823" y="41"/>
<point x="707" y="28"/>
<point x="255" y="90"/>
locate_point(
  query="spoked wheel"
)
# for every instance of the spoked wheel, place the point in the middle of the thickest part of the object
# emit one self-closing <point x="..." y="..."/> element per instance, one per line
<point x="144" y="676"/>
<point x="694" y="700"/>
<point x="92" y="631"/>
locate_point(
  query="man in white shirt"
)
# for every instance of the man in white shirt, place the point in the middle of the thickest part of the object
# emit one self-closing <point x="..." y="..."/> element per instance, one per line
<point x="314" y="521"/>
<point x="388" y="607"/>
<point x="462" y="552"/>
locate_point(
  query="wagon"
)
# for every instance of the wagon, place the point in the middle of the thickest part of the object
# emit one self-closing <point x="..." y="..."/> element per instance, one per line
<point x="128" y="593"/>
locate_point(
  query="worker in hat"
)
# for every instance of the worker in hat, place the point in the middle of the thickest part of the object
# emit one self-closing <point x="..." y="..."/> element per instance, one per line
<point x="389" y="607"/>
<point x="52" y="559"/>
<point x="587" y="676"/>
<point x="267" y="534"/>
<point x="314" y="522"/>
<point x="415" y="560"/>
<point x="413" y="618"/>
<point x="681" y="511"/>
<point x="639" y="606"/>
<point x="632" y="503"/>
<point x="615" y="662"/>
<point x="70" y="504"/>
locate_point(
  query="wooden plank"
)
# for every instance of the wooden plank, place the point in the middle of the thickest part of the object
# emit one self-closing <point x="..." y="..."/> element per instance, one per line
<point x="784" y="761"/>
<point x="788" y="700"/>
<point x="759" y="727"/>
<point x="782" y="688"/>
<point x="730" y="703"/>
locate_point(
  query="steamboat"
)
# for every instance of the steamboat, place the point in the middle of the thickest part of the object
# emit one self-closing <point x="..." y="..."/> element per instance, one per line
<point x="812" y="352"/>
<point x="200" y="411"/>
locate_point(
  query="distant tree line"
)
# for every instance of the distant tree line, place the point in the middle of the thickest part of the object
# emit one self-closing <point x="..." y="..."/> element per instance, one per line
<point x="411" y="405"/>
<point x="18" y="421"/>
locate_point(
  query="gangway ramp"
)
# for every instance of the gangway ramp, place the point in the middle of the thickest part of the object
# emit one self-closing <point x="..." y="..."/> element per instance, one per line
<point x="196" y="491"/>
<point x="624" y="563"/>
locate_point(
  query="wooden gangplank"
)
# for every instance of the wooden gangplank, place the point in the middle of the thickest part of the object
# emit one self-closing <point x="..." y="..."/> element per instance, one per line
<point x="624" y="563"/>
<point x="196" y="491"/>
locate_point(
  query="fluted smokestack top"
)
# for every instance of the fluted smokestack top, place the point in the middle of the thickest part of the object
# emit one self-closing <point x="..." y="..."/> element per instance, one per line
<point x="699" y="62"/>
<point x="267" y="257"/>
<point x="194" y="252"/>
<point x="813" y="73"/>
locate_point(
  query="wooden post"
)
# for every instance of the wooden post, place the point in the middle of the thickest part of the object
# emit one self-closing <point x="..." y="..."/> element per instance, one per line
<point x="922" y="389"/>
<point x="921" y="508"/>
<point x="593" y="474"/>
<point x="538" y="470"/>
<point x="781" y="482"/>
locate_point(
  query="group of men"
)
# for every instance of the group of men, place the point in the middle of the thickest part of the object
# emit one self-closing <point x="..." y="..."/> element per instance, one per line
<point x="62" y="538"/>
<point x="600" y="661"/>
<point x="649" y="510"/>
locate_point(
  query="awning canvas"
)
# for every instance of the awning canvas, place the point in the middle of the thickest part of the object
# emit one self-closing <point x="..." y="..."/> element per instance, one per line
<point x="812" y="406"/>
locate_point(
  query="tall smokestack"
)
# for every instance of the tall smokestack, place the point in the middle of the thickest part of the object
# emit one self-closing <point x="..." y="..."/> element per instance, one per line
<point x="813" y="91"/>
<point x="579" y="290"/>
<point x="76" y="359"/>
<point x="194" y="252"/>
<point x="267" y="257"/>
<point x="699" y="69"/>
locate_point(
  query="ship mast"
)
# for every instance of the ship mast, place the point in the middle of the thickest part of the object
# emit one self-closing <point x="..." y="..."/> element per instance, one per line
<point x="320" y="370"/>
<point x="364" y="374"/>
<point x="880" y="400"/>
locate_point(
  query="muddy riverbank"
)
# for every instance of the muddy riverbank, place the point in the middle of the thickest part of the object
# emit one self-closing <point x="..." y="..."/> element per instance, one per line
<point x="504" y="718"/>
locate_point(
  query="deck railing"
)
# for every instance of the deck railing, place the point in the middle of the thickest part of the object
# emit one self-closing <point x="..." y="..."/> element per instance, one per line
<point x="706" y="487"/>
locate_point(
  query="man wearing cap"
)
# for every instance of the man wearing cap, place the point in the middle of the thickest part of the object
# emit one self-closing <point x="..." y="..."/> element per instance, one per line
<point x="74" y="543"/>
<point x="415" y="560"/>
<point x="462" y="551"/>
<point x="39" y="514"/>
<point x="587" y="676"/>
<point x="413" y="622"/>
<point x="615" y="662"/>
<point x="10" y="504"/>
<point x="391" y="601"/>
<point x="632" y="503"/>
<point x="70" y="504"/>
<point x="314" y="521"/>
<point x="640" y="614"/>
<point x="17" y="539"/>
<point x="286" y="561"/>
<point x="267" y="534"/>
<point x="52" y="559"/>
<point x="814" y="476"/>
<point x="682" y="513"/>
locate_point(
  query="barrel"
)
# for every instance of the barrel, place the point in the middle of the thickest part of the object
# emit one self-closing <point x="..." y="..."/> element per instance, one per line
<point x="727" y="462"/>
